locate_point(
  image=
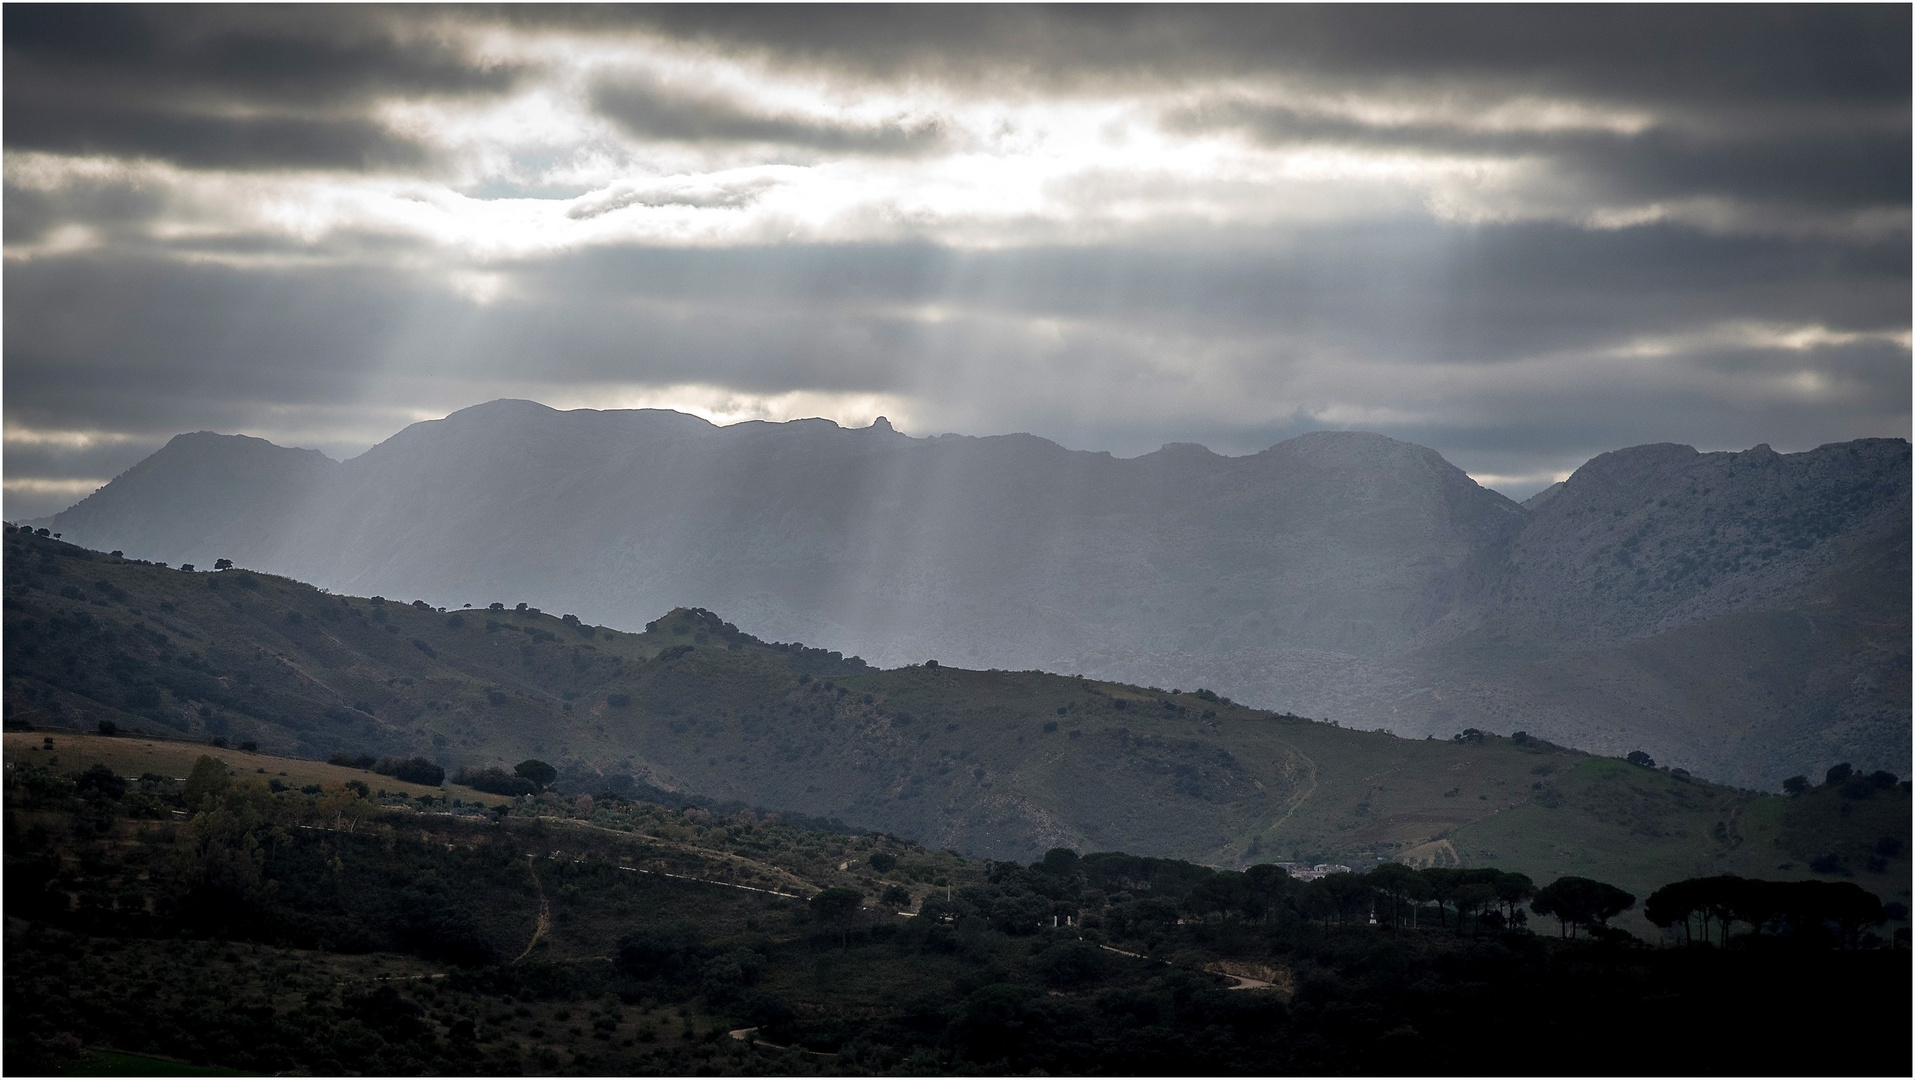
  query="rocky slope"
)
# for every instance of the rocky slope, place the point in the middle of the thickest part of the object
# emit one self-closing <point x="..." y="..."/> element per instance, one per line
<point x="1741" y="615"/>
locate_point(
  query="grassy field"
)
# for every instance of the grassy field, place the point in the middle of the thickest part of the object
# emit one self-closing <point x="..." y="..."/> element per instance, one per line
<point x="117" y="1063"/>
<point x="133" y="755"/>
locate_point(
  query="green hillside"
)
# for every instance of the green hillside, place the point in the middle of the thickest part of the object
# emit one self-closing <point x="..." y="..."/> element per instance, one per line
<point x="1005" y="764"/>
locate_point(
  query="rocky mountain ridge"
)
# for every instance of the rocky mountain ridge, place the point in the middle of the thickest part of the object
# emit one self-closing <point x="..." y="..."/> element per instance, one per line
<point x="1336" y="574"/>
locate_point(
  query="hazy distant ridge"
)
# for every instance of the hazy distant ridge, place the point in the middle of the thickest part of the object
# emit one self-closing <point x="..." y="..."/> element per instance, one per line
<point x="1340" y="574"/>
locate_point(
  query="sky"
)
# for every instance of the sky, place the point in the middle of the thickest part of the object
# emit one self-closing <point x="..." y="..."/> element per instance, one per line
<point x="1519" y="235"/>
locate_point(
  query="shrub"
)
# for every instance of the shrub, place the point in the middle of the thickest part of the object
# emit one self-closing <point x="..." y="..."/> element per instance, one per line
<point x="494" y="780"/>
<point x="538" y="772"/>
<point x="416" y="770"/>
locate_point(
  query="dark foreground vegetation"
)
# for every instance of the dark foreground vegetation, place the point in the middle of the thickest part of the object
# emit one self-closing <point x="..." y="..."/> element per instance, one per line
<point x="218" y="921"/>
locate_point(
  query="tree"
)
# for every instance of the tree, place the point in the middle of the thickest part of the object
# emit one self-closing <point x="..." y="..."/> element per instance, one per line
<point x="1471" y="898"/>
<point x="209" y="778"/>
<point x="1268" y="884"/>
<point x="1838" y="773"/>
<point x="1579" y="901"/>
<point x="1397" y="883"/>
<point x="416" y="770"/>
<point x="100" y="782"/>
<point x="837" y="906"/>
<point x="540" y="773"/>
<point x="1512" y="891"/>
<point x="222" y="564"/>
<point x="1440" y="883"/>
<point x="1795" y="785"/>
<point x="1637" y="757"/>
<point x="1673" y="903"/>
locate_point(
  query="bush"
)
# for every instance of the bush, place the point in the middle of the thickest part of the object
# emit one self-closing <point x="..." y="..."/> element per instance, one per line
<point x="353" y="761"/>
<point x="539" y="773"/>
<point x="495" y="780"/>
<point x="415" y="770"/>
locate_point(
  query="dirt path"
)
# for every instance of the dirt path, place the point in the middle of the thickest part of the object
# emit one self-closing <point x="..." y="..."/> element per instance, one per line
<point x="1237" y="982"/>
<point x="1302" y="797"/>
<point x="545" y="911"/>
<point x="771" y="869"/>
<point x="749" y="1036"/>
<point x="712" y="881"/>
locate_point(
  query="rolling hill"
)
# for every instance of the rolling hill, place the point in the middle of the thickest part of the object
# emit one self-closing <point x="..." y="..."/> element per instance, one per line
<point x="992" y="762"/>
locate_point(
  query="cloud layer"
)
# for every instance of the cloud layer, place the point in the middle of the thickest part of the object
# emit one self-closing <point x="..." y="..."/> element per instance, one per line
<point x="1520" y="235"/>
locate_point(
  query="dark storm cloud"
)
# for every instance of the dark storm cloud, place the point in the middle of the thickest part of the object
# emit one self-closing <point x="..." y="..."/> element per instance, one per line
<point x="120" y="341"/>
<point x="147" y="307"/>
<point x="224" y="87"/>
<point x="107" y="205"/>
<point x="1726" y="57"/>
<point x="1781" y="104"/>
<point x="1410" y="291"/>
<point x="123" y="337"/>
<point x="208" y="142"/>
<point x="651" y="110"/>
<point x="1832" y="164"/>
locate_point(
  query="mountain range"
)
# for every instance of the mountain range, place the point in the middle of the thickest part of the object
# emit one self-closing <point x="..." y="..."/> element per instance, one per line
<point x="1741" y="615"/>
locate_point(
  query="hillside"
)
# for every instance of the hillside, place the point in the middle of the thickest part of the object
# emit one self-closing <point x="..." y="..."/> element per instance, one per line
<point x="1639" y="604"/>
<point x="1000" y="763"/>
<point x="226" y="923"/>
